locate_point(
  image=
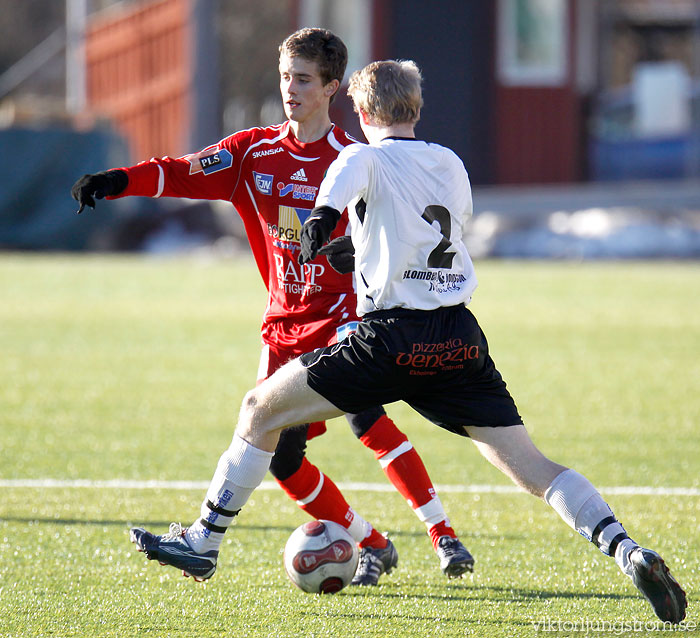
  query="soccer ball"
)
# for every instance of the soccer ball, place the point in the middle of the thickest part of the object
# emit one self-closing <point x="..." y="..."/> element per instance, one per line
<point x="320" y="557"/>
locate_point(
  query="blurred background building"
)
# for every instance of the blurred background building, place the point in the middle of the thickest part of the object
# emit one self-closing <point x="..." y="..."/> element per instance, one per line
<point x="578" y="120"/>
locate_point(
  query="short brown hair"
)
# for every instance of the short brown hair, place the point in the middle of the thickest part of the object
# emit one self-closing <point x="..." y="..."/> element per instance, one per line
<point x="321" y="46"/>
<point x="389" y="92"/>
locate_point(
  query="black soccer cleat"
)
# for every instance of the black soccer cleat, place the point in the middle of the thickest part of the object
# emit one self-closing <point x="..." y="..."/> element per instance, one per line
<point x="454" y="557"/>
<point x="652" y="578"/>
<point x="173" y="549"/>
<point x="373" y="563"/>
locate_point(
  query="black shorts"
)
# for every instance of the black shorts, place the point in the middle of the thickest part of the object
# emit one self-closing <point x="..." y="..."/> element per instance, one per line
<point x="437" y="361"/>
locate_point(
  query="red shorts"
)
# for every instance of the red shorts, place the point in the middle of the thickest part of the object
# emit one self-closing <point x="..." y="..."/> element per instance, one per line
<point x="328" y="332"/>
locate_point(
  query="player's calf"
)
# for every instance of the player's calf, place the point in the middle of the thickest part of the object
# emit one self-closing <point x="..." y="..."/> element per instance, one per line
<point x="583" y="508"/>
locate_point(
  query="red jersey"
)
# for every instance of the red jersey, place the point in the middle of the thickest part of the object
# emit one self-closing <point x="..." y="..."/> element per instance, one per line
<point x="272" y="179"/>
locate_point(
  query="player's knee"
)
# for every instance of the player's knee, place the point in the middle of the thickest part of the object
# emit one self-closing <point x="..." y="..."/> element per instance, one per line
<point x="362" y="422"/>
<point x="251" y="417"/>
<point x="250" y="404"/>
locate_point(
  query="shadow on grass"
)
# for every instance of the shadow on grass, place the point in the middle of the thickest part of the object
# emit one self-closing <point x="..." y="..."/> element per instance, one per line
<point x="517" y="593"/>
<point x="129" y="523"/>
<point x="469" y="597"/>
<point x="471" y="593"/>
<point x="236" y="525"/>
<point x="441" y="619"/>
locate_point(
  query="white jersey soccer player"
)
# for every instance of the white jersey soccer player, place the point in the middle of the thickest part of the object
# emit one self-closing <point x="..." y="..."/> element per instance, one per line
<point x="420" y="199"/>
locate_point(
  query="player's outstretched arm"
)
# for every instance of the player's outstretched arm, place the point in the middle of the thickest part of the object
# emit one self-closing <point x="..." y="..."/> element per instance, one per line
<point x="97" y="186"/>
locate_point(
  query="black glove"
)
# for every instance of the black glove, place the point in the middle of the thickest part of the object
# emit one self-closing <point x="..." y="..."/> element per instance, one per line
<point x="340" y="254"/>
<point x="316" y="231"/>
<point x="91" y="187"/>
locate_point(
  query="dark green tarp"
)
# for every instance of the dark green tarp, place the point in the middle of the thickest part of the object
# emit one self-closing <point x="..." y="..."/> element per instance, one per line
<point x="37" y="169"/>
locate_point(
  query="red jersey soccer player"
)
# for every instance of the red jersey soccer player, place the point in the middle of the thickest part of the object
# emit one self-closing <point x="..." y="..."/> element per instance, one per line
<point x="272" y="176"/>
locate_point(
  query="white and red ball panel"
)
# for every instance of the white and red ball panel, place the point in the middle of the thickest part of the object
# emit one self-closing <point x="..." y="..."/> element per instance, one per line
<point x="320" y="557"/>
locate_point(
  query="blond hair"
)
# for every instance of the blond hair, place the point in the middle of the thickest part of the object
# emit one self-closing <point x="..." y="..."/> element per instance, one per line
<point x="389" y="92"/>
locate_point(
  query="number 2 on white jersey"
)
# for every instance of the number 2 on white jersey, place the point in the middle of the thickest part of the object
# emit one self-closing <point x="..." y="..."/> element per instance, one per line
<point x="439" y="257"/>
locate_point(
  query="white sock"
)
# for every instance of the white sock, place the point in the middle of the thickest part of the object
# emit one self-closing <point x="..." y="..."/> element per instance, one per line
<point x="582" y="507"/>
<point x="359" y="528"/>
<point x="432" y="513"/>
<point x="622" y="555"/>
<point x="240" y="470"/>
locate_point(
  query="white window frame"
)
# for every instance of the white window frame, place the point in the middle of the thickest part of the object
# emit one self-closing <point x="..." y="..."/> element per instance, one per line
<point x="349" y="19"/>
<point x="553" y="67"/>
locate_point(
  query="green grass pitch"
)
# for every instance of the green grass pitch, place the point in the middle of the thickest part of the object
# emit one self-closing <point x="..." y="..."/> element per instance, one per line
<point x="134" y="368"/>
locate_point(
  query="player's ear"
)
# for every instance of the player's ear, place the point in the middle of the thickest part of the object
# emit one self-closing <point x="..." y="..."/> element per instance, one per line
<point x="363" y="116"/>
<point x="331" y="88"/>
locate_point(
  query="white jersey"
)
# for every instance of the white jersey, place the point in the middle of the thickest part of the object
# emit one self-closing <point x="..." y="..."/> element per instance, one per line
<point x="408" y="201"/>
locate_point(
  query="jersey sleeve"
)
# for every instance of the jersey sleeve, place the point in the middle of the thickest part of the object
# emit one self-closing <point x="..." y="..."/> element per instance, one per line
<point x="347" y="177"/>
<point x="465" y="185"/>
<point x="211" y="173"/>
<point x="461" y="186"/>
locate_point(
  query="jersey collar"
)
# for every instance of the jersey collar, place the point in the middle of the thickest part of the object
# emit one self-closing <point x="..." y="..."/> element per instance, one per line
<point x="308" y="147"/>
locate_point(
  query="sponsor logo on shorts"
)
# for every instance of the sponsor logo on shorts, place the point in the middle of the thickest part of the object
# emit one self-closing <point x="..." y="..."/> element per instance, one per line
<point x="298" y="191"/>
<point x="429" y="358"/>
<point x="341" y="332"/>
<point x="271" y="151"/>
<point x="210" y="160"/>
<point x="263" y="182"/>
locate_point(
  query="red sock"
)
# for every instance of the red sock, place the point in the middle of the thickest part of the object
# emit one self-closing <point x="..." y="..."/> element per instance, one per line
<point x="440" y="529"/>
<point x="400" y="462"/>
<point x="320" y="497"/>
<point x="375" y="539"/>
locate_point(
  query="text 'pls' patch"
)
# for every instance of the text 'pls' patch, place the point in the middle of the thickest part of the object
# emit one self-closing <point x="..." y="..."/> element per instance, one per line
<point x="210" y="160"/>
